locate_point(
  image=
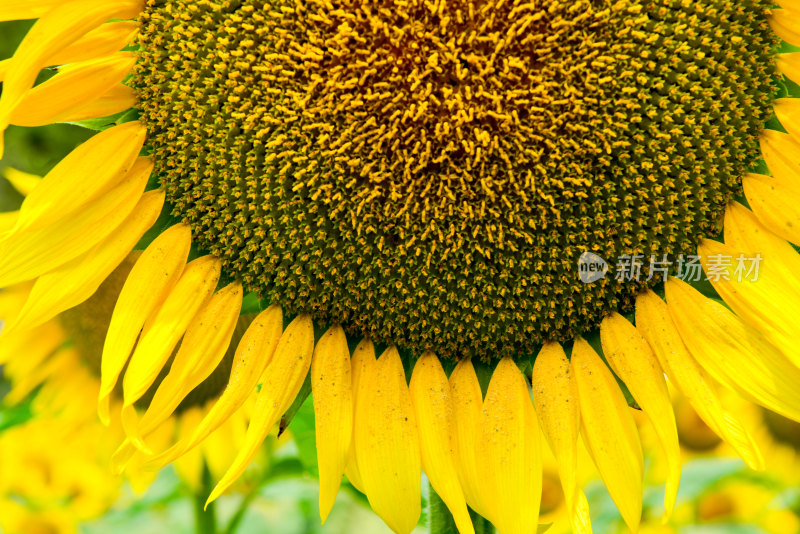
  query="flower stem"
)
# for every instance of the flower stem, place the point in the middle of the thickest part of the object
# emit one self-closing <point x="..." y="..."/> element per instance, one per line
<point x="205" y="518"/>
<point x="441" y="520"/>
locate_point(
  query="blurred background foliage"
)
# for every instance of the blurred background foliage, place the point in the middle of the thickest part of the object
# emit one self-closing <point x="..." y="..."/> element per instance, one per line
<point x="718" y="494"/>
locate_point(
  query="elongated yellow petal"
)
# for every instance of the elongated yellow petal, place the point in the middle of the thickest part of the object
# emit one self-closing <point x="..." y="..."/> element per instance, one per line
<point x="55" y="100"/>
<point x="433" y="407"/>
<point x="768" y="304"/>
<point x="283" y="378"/>
<point x="633" y="361"/>
<point x="7" y="221"/>
<point x="387" y="443"/>
<point x="789" y="64"/>
<point x="116" y="100"/>
<point x="254" y="353"/>
<point x="782" y="154"/>
<point x="363" y="359"/>
<point x="55" y="30"/>
<point x="23" y="182"/>
<point x="467" y="410"/>
<point x="786" y="25"/>
<point x="655" y="324"/>
<point x="190" y="466"/>
<point x="778" y="209"/>
<point x="201" y="350"/>
<point x="609" y="431"/>
<point x="555" y="396"/>
<point x="77" y="280"/>
<point x="164" y="329"/>
<point x="25" y="9"/>
<point x="102" y="41"/>
<point x="88" y="172"/>
<point x="221" y="446"/>
<point x="788" y="111"/>
<point x="509" y="452"/>
<point x="148" y="283"/>
<point x="732" y="352"/>
<point x="26" y="254"/>
<point x="331" y="387"/>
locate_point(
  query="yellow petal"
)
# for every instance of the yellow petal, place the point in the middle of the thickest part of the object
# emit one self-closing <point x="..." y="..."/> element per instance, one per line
<point x="332" y="392"/>
<point x="467" y="410"/>
<point x="103" y="41"/>
<point x="788" y="112"/>
<point x="116" y="100"/>
<point x="149" y="282"/>
<point x="509" y="452"/>
<point x="164" y="329"/>
<point x="633" y="361"/>
<point x="73" y="87"/>
<point x="201" y="350"/>
<point x="38" y="343"/>
<point x="190" y="466"/>
<point x="387" y="443"/>
<point x="25" y="9"/>
<point x="786" y="24"/>
<point x="609" y="431"/>
<point x="77" y="280"/>
<point x="221" y="446"/>
<point x="254" y="353"/>
<point x="789" y="65"/>
<point x="362" y="360"/>
<point x="433" y="408"/>
<point x="26" y="254"/>
<point x="732" y="352"/>
<point x="656" y="326"/>
<point x="283" y="378"/>
<point x="768" y="304"/>
<point x="107" y="158"/>
<point x="23" y="182"/>
<point x="782" y="154"/>
<point x="555" y="396"/>
<point x="55" y="30"/>
<point x="777" y="208"/>
<point x="8" y="219"/>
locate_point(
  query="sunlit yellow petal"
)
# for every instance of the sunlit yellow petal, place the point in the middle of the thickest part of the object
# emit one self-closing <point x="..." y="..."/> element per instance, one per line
<point x="102" y="41"/>
<point x="331" y="388"/>
<point x="634" y="363"/>
<point x="23" y="182"/>
<point x="150" y="280"/>
<point x="509" y="452"/>
<point x="785" y="23"/>
<point x="26" y="254"/>
<point x="8" y="219"/>
<point x="387" y="442"/>
<point x="55" y="30"/>
<point x="609" y="431"/>
<point x="363" y="359"/>
<point x="221" y="446"/>
<point x="555" y="396"/>
<point x="116" y="100"/>
<point x="656" y="326"/>
<point x="254" y="353"/>
<point x="789" y="64"/>
<point x="77" y="84"/>
<point x="190" y="466"/>
<point x="732" y="352"/>
<point x="467" y="410"/>
<point x="26" y="9"/>
<point x="788" y="111"/>
<point x="283" y="378"/>
<point x="88" y="172"/>
<point x="782" y="154"/>
<point x="77" y="280"/>
<point x="777" y="208"/>
<point x="433" y="407"/>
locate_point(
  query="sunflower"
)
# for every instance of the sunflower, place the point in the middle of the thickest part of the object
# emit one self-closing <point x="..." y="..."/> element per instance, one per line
<point x="468" y="227"/>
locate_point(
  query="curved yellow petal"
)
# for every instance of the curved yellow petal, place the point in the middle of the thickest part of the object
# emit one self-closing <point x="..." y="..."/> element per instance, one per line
<point x="87" y="173"/>
<point x="655" y="324"/>
<point x="331" y="388"/>
<point x="102" y="41"/>
<point x="433" y="407"/>
<point x="788" y="112"/>
<point x="467" y="410"/>
<point x="150" y="280"/>
<point x="116" y="100"/>
<point x="7" y="221"/>
<point x="254" y="353"/>
<point x="634" y="363"/>
<point x="555" y="396"/>
<point x="777" y="208"/>
<point x="201" y="350"/>
<point x="509" y="452"/>
<point x="609" y="431"/>
<point x="782" y="154"/>
<point x="56" y="99"/>
<point x="26" y="254"/>
<point x="789" y="65"/>
<point x="387" y="442"/>
<point x="77" y="280"/>
<point x="25" y="9"/>
<point x="283" y="378"/>
<point x="786" y="24"/>
<point x="190" y="466"/>
<point x="732" y="352"/>
<point x="363" y="359"/>
<point x="23" y="182"/>
<point x="56" y="29"/>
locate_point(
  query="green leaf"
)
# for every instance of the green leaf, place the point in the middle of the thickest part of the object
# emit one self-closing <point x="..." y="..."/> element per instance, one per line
<point x="302" y="427"/>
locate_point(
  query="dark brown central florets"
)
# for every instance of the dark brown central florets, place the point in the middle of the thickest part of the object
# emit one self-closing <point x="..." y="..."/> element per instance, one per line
<point x="429" y="172"/>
